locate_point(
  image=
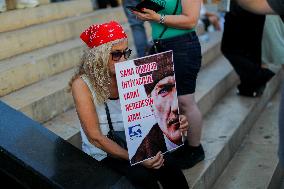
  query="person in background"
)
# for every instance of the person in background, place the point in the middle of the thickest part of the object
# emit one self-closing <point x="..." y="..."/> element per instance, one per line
<point x="209" y="18"/>
<point x="3" y="6"/>
<point x="271" y="7"/>
<point x="20" y="4"/>
<point x="273" y="41"/>
<point x="180" y="18"/>
<point x="241" y="45"/>
<point x="94" y="87"/>
<point x="102" y="4"/>
<point x="137" y="27"/>
<point x="26" y="4"/>
<point x="273" y="52"/>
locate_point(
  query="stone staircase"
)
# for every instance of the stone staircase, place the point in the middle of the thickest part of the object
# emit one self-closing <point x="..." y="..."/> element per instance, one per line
<point x="39" y="52"/>
<point x="257" y="154"/>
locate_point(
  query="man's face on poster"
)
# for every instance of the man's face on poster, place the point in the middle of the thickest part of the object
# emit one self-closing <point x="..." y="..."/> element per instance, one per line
<point x="165" y="108"/>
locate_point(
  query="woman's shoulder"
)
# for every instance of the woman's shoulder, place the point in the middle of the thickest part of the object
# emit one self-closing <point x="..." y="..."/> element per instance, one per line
<point x="79" y="83"/>
<point x="80" y="87"/>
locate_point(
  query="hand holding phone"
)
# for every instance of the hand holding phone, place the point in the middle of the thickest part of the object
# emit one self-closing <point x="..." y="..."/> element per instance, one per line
<point x="134" y="9"/>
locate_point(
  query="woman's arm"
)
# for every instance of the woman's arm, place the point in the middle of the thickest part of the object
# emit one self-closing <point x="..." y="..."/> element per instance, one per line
<point x="187" y="20"/>
<point x="89" y="120"/>
<point x="257" y="6"/>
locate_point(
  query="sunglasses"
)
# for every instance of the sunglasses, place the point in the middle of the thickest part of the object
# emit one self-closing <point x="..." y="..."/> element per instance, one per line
<point x="116" y="55"/>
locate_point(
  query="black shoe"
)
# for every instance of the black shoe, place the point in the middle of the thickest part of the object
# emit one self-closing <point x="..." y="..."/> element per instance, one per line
<point x="266" y="75"/>
<point x="256" y="88"/>
<point x="188" y="156"/>
<point x="250" y="92"/>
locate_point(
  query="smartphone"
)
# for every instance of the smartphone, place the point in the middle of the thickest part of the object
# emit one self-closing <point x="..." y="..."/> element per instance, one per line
<point x="134" y="9"/>
<point x="148" y="4"/>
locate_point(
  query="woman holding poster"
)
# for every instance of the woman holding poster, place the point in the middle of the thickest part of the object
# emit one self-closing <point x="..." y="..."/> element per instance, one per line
<point x="94" y="85"/>
<point x="173" y="28"/>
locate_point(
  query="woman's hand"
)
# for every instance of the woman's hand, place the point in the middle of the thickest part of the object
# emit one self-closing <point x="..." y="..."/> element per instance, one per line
<point x="183" y="123"/>
<point x="148" y="15"/>
<point x="154" y="163"/>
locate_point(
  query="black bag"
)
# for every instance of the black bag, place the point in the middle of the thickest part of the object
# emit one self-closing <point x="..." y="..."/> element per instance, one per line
<point x="155" y="47"/>
<point x="116" y="136"/>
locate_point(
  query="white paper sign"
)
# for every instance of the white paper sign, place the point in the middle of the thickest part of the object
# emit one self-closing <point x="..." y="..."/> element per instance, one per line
<point x="148" y="98"/>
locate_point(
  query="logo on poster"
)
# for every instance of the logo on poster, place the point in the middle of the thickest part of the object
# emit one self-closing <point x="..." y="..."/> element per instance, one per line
<point x="135" y="131"/>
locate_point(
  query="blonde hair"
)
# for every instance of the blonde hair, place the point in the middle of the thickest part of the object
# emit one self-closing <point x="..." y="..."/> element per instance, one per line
<point x="94" y="64"/>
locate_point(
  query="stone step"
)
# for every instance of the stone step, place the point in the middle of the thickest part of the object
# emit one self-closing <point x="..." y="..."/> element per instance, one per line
<point x="225" y="126"/>
<point x="23" y="70"/>
<point x="45" y="99"/>
<point x="256" y="160"/>
<point x="213" y="43"/>
<point x="39" y="64"/>
<point x="213" y="82"/>
<point x="38" y="36"/>
<point x="20" y="18"/>
<point x="67" y="124"/>
<point x="43" y="2"/>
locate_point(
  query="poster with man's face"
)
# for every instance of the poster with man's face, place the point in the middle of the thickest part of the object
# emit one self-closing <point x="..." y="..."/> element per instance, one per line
<point x="148" y="97"/>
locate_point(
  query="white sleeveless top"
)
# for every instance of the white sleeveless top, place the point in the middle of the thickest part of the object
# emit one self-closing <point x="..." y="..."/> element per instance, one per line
<point x="116" y="119"/>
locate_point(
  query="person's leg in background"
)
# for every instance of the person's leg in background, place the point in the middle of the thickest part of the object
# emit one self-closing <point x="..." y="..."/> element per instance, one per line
<point x="3" y="6"/>
<point x="102" y="4"/>
<point x="187" y="63"/>
<point x="21" y="4"/>
<point x="137" y="27"/>
<point x="194" y="150"/>
<point x="113" y="3"/>
<point x="251" y="75"/>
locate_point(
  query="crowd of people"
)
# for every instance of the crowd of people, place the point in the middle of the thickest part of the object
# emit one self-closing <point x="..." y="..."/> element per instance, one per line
<point x="172" y="26"/>
<point x="247" y="42"/>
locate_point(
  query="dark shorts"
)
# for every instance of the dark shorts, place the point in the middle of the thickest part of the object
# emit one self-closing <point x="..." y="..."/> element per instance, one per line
<point x="187" y="60"/>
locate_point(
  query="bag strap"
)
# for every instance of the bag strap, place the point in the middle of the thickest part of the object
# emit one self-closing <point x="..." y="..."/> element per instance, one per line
<point x="166" y="27"/>
<point x="108" y="117"/>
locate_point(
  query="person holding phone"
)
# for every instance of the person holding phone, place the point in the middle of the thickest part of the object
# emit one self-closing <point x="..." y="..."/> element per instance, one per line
<point x="179" y="19"/>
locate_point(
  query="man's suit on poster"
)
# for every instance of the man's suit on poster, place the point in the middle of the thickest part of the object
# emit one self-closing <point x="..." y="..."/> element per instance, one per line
<point x="151" y="145"/>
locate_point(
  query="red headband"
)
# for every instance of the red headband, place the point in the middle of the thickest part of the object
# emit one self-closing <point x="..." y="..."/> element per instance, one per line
<point x="99" y="34"/>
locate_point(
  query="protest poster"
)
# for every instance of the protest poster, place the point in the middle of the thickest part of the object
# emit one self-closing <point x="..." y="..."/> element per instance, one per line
<point x="148" y="98"/>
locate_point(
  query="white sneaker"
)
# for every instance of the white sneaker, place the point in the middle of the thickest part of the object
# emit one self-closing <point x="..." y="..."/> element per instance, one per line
<point x="3" y="7"/>
<point x="26" y="4"/>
